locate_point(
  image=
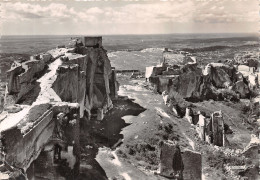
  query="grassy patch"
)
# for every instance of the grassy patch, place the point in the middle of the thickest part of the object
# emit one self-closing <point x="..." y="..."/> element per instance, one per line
<point x="146" y="152"/>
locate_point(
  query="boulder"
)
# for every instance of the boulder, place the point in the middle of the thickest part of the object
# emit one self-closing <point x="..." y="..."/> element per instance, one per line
<point x="192" y="162"/>
<point x="188" y="85"/>
<point x="221" y="75"/>
<point x="192" y="85"/>
<point x="241" y="88"/>
<point x="154" y="71"/>
<point x="171" y="164"/>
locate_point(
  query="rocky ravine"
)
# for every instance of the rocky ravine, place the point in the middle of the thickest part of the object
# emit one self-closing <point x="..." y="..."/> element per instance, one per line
<point x="45" y="98"/>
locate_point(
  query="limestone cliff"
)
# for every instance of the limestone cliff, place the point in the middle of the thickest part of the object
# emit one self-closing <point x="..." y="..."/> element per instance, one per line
<point x="87" y="78"/>
<point x="56" y="89"/>
<point x="217" y="81"/>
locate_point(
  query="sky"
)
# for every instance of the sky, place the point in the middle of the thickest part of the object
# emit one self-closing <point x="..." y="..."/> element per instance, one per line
<point x="92" y="17"/>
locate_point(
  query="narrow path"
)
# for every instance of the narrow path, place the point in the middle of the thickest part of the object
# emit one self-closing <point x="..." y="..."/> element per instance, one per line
<point x="140" y="126"/>
<point x="153" y="103"/>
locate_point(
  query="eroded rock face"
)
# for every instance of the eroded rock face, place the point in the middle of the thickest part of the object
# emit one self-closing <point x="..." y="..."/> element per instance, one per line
<point x="192" y="85"/>
<point x="23" y="143"/>
<point x="76" y="83"/>
<point x="221" y="75"/>
<point x="87" y="78"/>
<point x="217" y="81"/>
<point x="22" y="76"/>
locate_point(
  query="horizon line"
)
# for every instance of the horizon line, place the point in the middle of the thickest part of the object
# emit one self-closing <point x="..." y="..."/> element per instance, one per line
<point x="125" y="34"/>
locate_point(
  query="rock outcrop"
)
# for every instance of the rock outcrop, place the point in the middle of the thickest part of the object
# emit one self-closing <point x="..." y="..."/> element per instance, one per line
<point x="217" y="81"/>
<point x="192" y="162"/>
<point x="221" y="75"/>
<point x="22" y="76"/>
<point x="179" y="164"/>
<point x="171" y="164"/>
<point x="90" y="75"/>
<point x="58" y="88"/>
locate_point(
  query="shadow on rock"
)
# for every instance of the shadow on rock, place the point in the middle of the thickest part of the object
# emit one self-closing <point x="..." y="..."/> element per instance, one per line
<point x="96" y="134"/>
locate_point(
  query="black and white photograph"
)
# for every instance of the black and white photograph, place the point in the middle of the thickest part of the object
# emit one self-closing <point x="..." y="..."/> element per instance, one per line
<point x="129" y="90"/>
